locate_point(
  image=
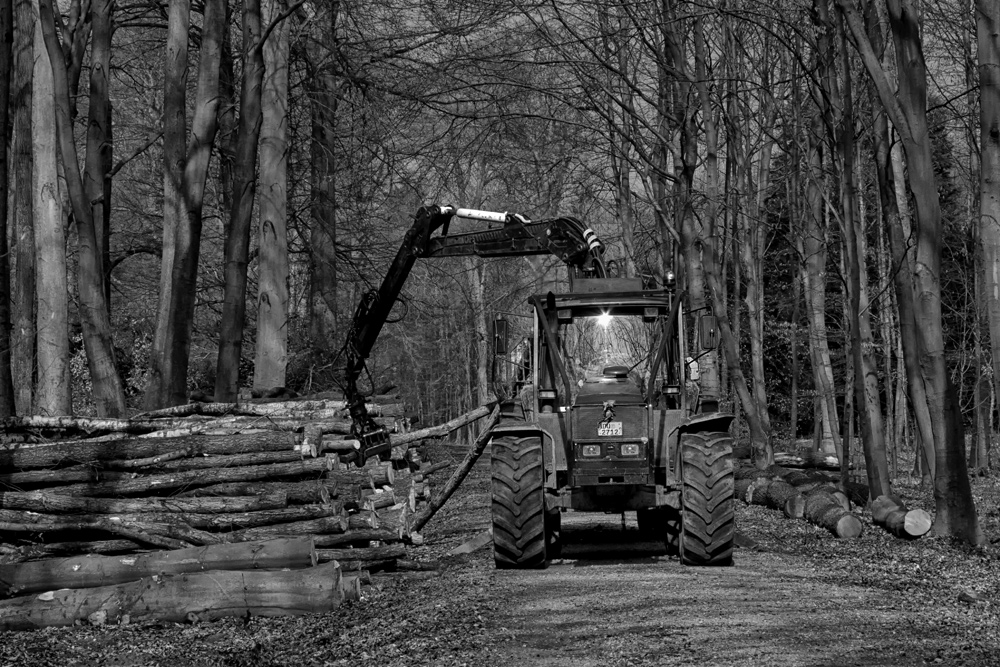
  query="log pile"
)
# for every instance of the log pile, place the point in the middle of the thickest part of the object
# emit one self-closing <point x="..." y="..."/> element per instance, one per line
<point x="134" y="494"/>
<point x="800" y="495"/>
<point x="820" y="498"/>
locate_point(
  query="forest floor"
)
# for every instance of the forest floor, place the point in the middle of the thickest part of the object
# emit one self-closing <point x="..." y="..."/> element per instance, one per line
<point x="795" y="596"/>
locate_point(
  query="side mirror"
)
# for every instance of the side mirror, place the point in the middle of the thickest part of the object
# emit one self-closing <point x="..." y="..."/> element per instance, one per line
<point x="501" y="334"/>
<point x="708" y="332"/>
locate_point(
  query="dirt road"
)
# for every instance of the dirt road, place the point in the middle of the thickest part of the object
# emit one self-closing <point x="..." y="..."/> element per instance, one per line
<point x="796" y="596"/>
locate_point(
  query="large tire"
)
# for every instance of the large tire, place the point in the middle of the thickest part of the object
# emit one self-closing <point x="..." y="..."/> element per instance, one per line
<point x="518" y="490"/>
<point x="708" y="512"/>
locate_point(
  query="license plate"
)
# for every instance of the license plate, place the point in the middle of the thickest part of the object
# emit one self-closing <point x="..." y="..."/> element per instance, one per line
<point x="611" y="428"/>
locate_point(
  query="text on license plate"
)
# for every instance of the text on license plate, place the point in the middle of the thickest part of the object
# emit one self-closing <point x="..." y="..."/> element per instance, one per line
<point x="610" y="428"/>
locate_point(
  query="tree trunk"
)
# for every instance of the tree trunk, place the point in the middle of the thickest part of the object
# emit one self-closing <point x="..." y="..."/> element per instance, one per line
<point x="237" y="245"/>
<point x="174" y="142"/>
<point x="323" y="211"/>
<point x="988" y="31"/>
<point x="108" y="392"/>
<point x="866" y="389"/>
<point x="955" y="514"/>
<point x="90" y="571"/>
<point x="180" y="598"/>
<point x="7" y="407"/>
<point x="23" y="232"/>
<point x="52" y="395"/>
<point x="172" y="343"/>
<point x="271" y="355"/>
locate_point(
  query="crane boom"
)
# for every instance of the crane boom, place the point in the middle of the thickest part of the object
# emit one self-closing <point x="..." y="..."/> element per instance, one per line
<point x="565" y="237"/>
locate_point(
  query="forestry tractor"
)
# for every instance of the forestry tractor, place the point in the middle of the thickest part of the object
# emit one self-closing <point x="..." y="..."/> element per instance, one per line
<point x="600" y="414"/>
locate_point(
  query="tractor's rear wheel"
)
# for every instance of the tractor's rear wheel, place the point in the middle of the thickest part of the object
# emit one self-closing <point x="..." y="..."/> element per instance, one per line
<point x="661" y="523"/>
<point x="708" y="513"/>
<point x="518" y="489"/>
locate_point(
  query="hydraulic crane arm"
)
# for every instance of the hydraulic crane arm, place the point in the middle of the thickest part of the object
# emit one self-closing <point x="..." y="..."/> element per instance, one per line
<point x="566" y="238"/>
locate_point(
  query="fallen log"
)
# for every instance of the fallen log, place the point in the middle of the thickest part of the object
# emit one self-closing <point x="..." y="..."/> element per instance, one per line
<point x="128" y="531"/>
<point x="325" y="525"/>
<point x="298" y="493"/>
<point x="320" y="408"/>
<point x="823" y="510"/>
<point x="203" y="462"/>
<point x="795" y="505"/>
<point x="390" y="551"/>
<point x="30" y="552"/>
<point x="70" y="475"/>
<point x="70" y="452"/>
<point x="152" y="483"/>
<point x="182" y="597"/>
<point x="44" y="501"/>
<point x="153" y="521"/>
<point x="428" y="469"/>
<point x="772" y="493"/>
<point x="421" y="518"/>
<point x="891" y="513"/>
<point x="91" y="571"/>
<point x="353" y="537"/>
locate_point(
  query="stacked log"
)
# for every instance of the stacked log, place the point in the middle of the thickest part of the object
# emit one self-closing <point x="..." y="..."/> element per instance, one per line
<point x="138" y="492"/>
<point x="276" y="578"/>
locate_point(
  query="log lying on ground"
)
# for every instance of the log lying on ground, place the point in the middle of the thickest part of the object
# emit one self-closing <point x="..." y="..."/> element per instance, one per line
<point x="421" y="519"/>
<point x="45" y="501"/>
<point x="182" y="597"/>
<point x="73" y="474"/>
<point x="152" y="483"/>
<point x="215" y="522"/>
<point x="795" y="506"/>
<point x="298" y="493"/>
<point x="891" y="513"/>
<point x="318" y="409"/>
<point x="331" y="524"/>
<point x="92" y="571"/>
<point x="390" y="551"/>
<point x="30" y="552"/>
<point x="354" y="537"/>
<point x="823" y="510"/>
<point x="70" y="452"/>
<point x="772" y="493"/>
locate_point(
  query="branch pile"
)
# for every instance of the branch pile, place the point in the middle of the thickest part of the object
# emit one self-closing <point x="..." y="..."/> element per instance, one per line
<point x="196" y="488"/>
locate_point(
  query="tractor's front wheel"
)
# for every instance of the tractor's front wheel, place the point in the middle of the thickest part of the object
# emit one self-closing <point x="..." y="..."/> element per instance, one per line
<point x="518" y="490"/>
<point x="708" y="513"/>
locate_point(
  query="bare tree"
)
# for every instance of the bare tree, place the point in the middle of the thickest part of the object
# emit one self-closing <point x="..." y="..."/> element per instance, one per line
<point x="6" y="72"/>
<point x="22" y="232"/>
<point x="988" y="31"/>
<point x="86" y="195"/>
<point x="907" y="109"/>
<point x="272" y="288"/>
<point x="52" y="395"/>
